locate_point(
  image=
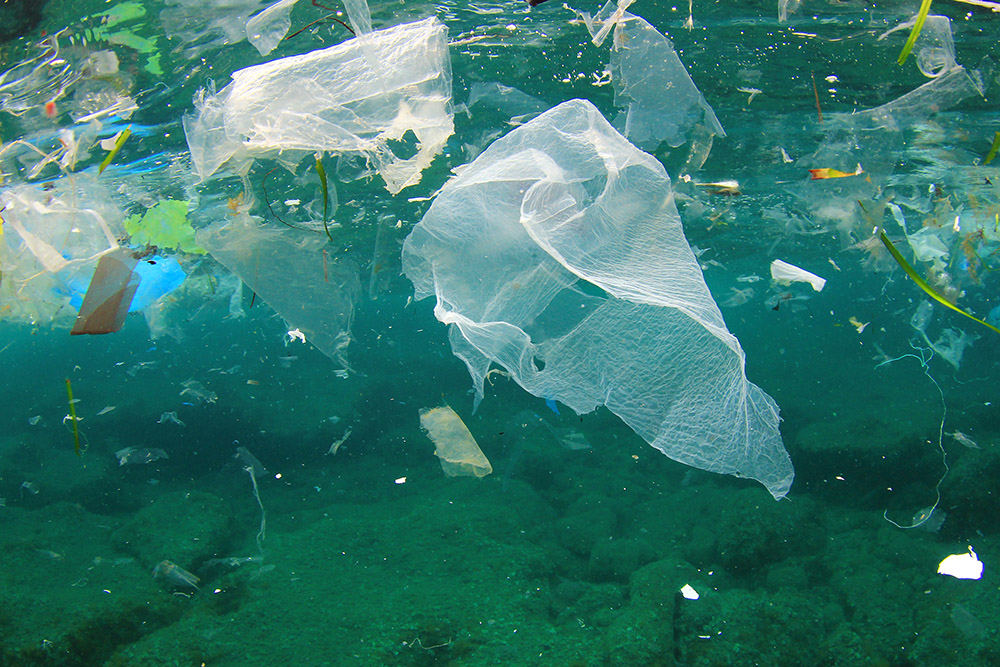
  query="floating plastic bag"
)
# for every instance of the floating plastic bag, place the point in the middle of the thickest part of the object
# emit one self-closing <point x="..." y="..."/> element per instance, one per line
<point x="558" y="254"/>
<point x="454" y="445"/>
<point x="291" y="272"/>
<point x="354" y="97"/>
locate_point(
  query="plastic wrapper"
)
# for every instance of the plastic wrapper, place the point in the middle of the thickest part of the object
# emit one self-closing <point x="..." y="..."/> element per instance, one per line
<point x="454" y="445"/>
<point x="355" y="97"/>
<point x="558" y="254"/>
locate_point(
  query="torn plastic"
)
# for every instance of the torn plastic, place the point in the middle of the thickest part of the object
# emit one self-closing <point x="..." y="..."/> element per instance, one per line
<point x="934" y="48"/>
<point x="661" y="101"/>
<point x="53" y="235"/>
<point x="558" y="254"/>
<point x="786" y="273"/>
<point x="266" y="29"/>
<point x="291" y="272"/>
<point x="457" y="450"/>
<point x="200" y="25"/>
<point x="515" y="104"/>
<point x="40" y="79"/>
<point x="355" y="97"/>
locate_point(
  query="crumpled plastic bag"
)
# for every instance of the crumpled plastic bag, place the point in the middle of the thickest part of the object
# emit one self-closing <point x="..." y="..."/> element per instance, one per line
<point x="355" y="97"/>
<point x="558" y="255"/>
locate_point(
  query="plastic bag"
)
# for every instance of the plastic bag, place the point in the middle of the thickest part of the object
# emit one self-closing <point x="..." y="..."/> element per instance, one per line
<point x="354" y="97"/>
<point x="558" y="254"/>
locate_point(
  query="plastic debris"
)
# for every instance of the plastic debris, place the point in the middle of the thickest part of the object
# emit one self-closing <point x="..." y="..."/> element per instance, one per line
<point x="786" y="273"/>
<point x="559" y="256"/>
<point x="135" y="455"/>
<point x="454" y="445"/>
<point x="175" y="575"/>
<point x="266" y="29"/>
<point x="337" y="444"/>
<point x="288" y="271"/>
<point x="689" y="592"/>
<point x="109" y="296"/>
<point x="355" y="97"/>
<point x="54" y="236"/>
<point x="170" y="418"/>
<point x="962" y="566"/>
<point x="644" y="63"/>
<point x="963" y="440"/>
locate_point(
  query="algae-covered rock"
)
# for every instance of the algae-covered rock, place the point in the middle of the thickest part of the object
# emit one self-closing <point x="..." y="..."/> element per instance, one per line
<point x="615" y="560"/>
<point x="643" y="633"/>
<point x="184" y="527"/>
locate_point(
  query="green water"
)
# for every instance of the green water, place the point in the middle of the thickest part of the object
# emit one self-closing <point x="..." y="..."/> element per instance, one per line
<point x="561" y="556"/>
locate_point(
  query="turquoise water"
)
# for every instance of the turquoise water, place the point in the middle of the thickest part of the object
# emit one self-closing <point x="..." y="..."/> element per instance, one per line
<point x="575" y="549"/>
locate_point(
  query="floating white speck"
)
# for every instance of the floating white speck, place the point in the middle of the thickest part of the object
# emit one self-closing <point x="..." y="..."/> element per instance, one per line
<point x="689" y="593"/>
<point x="400" y="480"/>
<point x="106" y="410"/>
<point x="962" y="566"/>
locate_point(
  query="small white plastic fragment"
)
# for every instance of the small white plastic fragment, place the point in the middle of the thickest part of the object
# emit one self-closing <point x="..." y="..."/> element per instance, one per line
<point x="786" y="273"/>
<point x="266" y="29"/>
<point x="962" y="566"/>
<point x="689" y="592"/>
<point x="400" y="480"/>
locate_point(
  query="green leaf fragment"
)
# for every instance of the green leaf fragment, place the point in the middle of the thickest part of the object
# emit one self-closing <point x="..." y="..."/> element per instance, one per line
<point x="119" y="142"/>
<point x="326" y="196"/>
<point x="164" y="226"/>
<point x="993" y="149"/>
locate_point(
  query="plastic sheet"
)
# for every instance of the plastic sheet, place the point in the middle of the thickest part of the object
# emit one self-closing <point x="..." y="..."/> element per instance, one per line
<point x="291" y="272"/>
<point x="40" y="79"/>
<point x="661" y="101"/>
<point x="558" y="254"/>
<point x="53" y="236"/>
<point x="455" y="447"/>
<point x="355" y="97"/>
<point x="266" y="29"/>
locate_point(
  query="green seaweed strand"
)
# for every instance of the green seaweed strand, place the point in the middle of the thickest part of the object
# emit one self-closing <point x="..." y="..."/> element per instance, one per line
<point x="993" y="149"/>
<point x="925" y="8"/>
<point x="119" y="142"/>
<point x="922" y="284"/>
<point x="72" y="416"/>
<point x="326" y="196"/>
